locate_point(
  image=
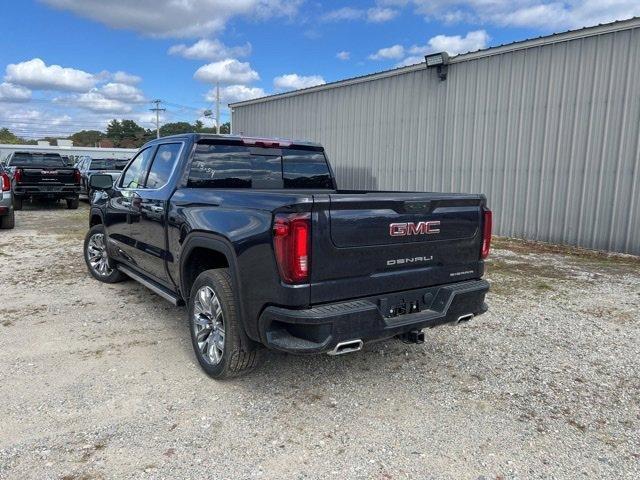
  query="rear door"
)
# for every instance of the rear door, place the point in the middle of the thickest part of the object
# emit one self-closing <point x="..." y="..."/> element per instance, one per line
<point x="370" y="243"/>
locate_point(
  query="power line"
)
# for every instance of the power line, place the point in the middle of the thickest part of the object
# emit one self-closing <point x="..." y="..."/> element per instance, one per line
<point x="157" y="109"/>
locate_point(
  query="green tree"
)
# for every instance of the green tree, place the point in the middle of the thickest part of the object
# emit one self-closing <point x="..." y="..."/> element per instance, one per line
<point x="87" y="138"/>
<point x="7" y="136"/>
<point x="176" y="128"/>
<point x="115" y="132"/>
<point x="127" y="134"/>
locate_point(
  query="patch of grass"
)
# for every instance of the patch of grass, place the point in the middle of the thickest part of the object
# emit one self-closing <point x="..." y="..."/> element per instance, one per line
<point x="581" y="256"/>
<point x="509" y="277"/>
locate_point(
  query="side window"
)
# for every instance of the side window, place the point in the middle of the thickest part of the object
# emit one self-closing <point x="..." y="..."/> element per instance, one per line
<point x="133" y="177"/>
<point x="163" y="162"/>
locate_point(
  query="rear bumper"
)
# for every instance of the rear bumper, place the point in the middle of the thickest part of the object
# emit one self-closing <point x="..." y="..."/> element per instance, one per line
<point x="319" y="329"/>
<point x="50" y="191"/>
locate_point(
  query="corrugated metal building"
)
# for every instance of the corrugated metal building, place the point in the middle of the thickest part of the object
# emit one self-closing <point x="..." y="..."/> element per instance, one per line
<point x="548" y="129"/>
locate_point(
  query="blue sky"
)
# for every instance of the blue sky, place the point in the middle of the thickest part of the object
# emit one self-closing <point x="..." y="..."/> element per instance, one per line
<point x="73" y="64"/>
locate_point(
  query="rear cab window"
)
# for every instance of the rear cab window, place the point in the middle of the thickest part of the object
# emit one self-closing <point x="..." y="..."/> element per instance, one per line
<point x="232" y="164"/>
<point x="39" y="160"/>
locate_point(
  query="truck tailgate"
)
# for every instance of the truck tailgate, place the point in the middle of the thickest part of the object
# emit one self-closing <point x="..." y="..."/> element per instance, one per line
<point x="371" y="243"/>
<point x="46" y="175"/>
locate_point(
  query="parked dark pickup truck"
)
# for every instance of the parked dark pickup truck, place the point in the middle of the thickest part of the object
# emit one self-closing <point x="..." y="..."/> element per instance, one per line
<point x="42" y="175"/>
<point x="255" y="237"/>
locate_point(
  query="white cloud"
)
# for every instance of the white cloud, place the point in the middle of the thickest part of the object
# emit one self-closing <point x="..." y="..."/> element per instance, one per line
<point x="229" y="71"/>
<point x="373" y="15"/>
<point x="235" y="93"/>
<point x="35" y="74"/>
<point x="124" y="77"/>
<point x="389" y="53"/>
<point x="95" y="101"/>
<point x="14" y="93"/>
<point x="122" y="92"/>
<point x="380" y="15"/>
<point x="175" y="18"/>
<point x="343" y="55"/>
<point x="544" y="14"/>
<point x="209" y="50"/>
<point x="344" y="13"/>
<point x="293" y="81"/>
<point x="453" y="45"/>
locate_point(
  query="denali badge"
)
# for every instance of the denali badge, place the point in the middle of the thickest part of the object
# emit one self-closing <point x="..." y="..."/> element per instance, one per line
<point x="411" y="228"/>
<point x="402" y="261"/>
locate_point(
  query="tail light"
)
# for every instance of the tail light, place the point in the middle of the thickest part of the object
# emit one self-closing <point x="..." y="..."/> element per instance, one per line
<point x="76" y="176"/>
<point x="292" y="246"/>
<point x="6" y="182"/>
<point x="17" y="175"/>
<point x="487" y="222"/>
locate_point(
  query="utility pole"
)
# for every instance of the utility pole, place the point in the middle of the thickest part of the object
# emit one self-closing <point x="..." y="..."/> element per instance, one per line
<point x="157" y="110"/>
<point x="218" y="108"/>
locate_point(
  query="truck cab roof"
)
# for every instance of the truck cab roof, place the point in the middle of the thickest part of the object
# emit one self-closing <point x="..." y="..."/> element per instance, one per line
<point x="258" y="141"/>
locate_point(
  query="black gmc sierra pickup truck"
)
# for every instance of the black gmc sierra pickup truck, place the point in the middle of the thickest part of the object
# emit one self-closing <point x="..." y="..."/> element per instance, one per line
<point x="42" y="175"/>
<point x="256" y="238"/>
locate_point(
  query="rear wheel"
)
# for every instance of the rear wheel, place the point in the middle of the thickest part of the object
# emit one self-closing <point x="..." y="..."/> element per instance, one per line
<point x="7" y="222"/>
<point x="97" y="259"/>
<point x="216" y="333"/>
<point x="72" y="203"/>
<point x="17" y="203"/>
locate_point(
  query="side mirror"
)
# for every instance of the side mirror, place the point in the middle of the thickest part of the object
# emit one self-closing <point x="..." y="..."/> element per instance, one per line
<point x="99" y="181"/>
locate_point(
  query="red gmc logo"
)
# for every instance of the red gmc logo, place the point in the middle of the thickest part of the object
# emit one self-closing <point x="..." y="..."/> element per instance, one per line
<point x="412" y="228"/>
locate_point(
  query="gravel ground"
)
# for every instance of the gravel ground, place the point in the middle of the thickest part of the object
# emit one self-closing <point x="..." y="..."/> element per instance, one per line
<point x="99" y="381"/>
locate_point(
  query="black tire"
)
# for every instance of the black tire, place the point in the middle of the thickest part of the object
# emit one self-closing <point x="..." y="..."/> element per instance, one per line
<point x="108" y="275"/>
<point x="72" y="203"/>
<point x="7" y="222"/>
<point x="234" y="360"/>
<point x="17" y="203"/>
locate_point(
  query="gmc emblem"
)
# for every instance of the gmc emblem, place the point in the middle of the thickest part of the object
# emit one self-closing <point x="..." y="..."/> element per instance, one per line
<point x="412" y="228"/>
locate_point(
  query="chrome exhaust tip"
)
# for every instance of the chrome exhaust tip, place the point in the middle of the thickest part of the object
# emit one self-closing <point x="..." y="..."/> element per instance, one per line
<point x="464" y="318"/>
<point x="349" y="346"/>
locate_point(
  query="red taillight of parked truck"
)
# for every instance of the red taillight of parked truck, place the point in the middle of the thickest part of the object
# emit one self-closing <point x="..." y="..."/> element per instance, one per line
<point x="487" y="225"/>
<point x="76" y="177"/>
<point x="17" y="175"/>
<point x="6" y="182"/>
<point x="292" y="246"/>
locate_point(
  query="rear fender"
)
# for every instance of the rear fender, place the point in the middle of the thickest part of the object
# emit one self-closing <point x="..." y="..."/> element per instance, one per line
<point x="218" y="244"/>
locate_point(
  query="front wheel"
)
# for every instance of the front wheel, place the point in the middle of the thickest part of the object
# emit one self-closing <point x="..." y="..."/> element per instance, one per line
<point x="97" y="259"/>
<point x="17" y="203"/>
<point x="217" y="336"/>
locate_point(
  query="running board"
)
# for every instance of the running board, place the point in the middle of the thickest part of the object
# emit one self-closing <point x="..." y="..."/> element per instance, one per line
<point x="153" y="286"/>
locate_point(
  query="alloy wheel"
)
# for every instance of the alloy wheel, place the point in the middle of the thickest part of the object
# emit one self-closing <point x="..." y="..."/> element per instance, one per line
<point x="208" y="325"/>
<point x="97" y="255"/>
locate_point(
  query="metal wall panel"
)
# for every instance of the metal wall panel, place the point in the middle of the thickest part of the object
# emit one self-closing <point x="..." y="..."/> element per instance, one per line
<point x="550" y="134"/>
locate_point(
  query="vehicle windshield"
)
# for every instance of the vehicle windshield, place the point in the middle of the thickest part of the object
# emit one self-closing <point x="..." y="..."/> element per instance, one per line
<point x="108" y="164"/>
<point x="37" y="160"/>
